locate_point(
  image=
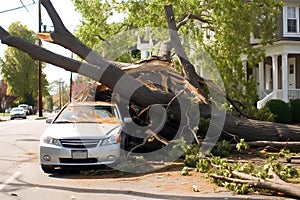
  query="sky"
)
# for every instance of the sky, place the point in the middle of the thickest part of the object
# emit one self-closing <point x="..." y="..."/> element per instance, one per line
<point x="28" y="15"/>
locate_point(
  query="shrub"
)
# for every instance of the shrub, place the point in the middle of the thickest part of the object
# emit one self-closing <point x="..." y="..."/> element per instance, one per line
<point x="263" y="114"/>
<point x="295" y="110"/>
<point x="222" y="149"/>
<point x="191" y="155"/>
<point x="191" y="160"/>
<point x="281" y="110"/>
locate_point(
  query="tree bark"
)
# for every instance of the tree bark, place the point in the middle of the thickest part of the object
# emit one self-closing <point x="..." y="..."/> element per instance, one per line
<point x="276" y="145"/>
<point x="254" y="130"/>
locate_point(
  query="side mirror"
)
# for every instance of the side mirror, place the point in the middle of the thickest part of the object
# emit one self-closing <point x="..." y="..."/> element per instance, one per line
<point x="49" y="121"/>
<point x="127" y="120"/>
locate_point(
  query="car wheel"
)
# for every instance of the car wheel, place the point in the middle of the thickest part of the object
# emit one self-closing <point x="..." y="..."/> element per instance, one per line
<point x="11" y="118"/>
<point x="48" y="169"/>
<point x="24" y="117"/>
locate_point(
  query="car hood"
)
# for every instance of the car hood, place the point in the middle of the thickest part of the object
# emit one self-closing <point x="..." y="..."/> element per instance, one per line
<point x="17" y="112"/>
<point x="81" y="130"/>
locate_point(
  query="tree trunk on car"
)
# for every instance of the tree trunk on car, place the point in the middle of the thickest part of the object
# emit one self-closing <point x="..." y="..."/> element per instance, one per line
<point x="130" y="83"/>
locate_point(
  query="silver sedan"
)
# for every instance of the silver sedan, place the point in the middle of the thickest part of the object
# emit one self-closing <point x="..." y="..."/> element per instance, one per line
<point x="82" y="134"/>
<point x="17" y="112"/>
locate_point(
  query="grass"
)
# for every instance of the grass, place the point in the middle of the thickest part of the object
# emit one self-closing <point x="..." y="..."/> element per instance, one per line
<point x="4" y="114"/>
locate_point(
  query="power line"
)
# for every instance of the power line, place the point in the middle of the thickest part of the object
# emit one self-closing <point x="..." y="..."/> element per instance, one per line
<point x="20" y="7"/>
<point x="25" y="6"/>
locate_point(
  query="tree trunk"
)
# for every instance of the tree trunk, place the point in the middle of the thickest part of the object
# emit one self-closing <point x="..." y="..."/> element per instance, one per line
<point x="254" y="130"/>
<point x="133" y="83"/>
<point x="294" y="146"/>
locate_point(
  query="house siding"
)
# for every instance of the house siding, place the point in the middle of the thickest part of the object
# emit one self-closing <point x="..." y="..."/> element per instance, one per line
<point x="286" y="44"/>
<point x="280" y="25"/>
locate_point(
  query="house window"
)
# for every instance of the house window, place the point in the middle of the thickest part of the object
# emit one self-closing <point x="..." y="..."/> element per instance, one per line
<point x="291" y="21"/>
<point x="291" y="69"/>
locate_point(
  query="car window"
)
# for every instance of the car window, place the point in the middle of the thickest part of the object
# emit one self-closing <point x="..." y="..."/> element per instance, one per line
<point x="88" y="114"/>
<point x="17" y="109"/>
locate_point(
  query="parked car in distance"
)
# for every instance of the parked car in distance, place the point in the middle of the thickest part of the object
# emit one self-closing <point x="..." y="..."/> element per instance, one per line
<point x="82" y="134"/>
<point x="17" y="112"/>
<point x="28" y="109"/>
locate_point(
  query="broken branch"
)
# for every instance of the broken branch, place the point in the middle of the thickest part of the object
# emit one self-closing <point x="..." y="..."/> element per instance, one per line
<point x="287" y="189"/>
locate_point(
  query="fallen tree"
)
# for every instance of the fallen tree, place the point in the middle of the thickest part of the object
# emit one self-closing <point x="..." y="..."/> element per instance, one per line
<point x="275" y="184"/>
<point x="147" y="85"/>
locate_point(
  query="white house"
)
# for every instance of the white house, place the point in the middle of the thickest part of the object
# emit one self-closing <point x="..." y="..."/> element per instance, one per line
<point x="278" y="75"/>
<point x="145" y="46"/>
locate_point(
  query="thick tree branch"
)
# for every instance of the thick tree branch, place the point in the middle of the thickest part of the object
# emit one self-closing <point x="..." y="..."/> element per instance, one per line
<point x="188" y="68"/>
<point x="291" y="145"/>
<point x="63" y="37"/>
<point x="254" y="130"/>
<point x="195" y="17"/>
<point x="105" y="74"/>
<point x="275" y="184"/>
<point x="289" y="190"/>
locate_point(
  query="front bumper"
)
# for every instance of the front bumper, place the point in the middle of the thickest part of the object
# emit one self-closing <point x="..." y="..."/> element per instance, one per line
<point x="57" y="156"/>
<point x="18" y="116"/>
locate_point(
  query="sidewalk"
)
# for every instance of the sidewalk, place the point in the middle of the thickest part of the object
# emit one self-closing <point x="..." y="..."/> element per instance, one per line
<point x="4" y="118"/>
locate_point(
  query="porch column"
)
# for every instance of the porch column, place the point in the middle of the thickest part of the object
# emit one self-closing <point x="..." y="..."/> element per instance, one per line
<point x="275" y="74"/>
<point x="261" y="78"/>
<point x="285" y="77"/>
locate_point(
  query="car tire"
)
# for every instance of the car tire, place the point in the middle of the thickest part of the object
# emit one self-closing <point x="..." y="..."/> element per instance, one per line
<point x="48" y="169"/>
<point x="12" y="118"/>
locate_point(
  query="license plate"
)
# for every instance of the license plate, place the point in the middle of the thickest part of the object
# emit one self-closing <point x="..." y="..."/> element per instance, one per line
<point x="79" y="154"/>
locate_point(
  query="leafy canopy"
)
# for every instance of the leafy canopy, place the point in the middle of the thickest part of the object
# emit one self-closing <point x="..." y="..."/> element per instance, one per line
<point x="19" y="70"/>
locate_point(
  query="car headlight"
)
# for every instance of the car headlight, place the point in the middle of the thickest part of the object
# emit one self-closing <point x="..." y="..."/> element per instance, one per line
<point x="113" y="139"/>
<point x="51" y="140"/>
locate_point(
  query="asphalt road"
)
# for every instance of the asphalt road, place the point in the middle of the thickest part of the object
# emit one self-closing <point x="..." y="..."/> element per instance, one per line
<point x="22" y="178"/>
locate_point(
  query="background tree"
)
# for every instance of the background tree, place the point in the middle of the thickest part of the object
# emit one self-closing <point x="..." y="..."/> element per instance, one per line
<point x="3" y="88"/>
<point x="48" y="103"/>
<point x="19" y="70"/>
<point x="61" y="93"/>
<point x="222" y="28"/>
<point x="4" y="96"/>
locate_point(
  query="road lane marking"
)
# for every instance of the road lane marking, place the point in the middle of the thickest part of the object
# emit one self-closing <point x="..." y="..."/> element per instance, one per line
<point x="10" y="179"/>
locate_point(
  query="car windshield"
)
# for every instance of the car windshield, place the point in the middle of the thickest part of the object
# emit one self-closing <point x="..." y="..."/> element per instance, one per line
<point x="88" y="114"/>
<point x="17" y="109"/>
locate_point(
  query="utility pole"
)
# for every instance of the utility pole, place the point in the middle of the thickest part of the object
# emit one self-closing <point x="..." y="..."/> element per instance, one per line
<point x="71" y="81"/>
<point x="71" y="86"/>
<point x="60" y="89"/>
<point x="40" y="102"/>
